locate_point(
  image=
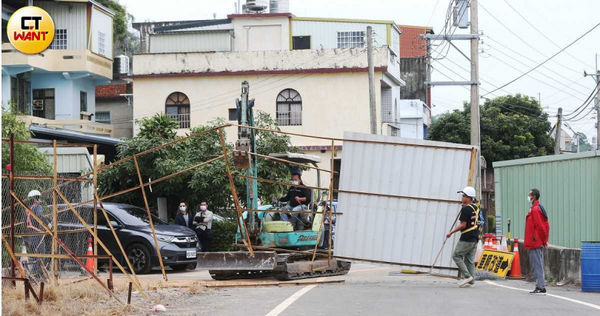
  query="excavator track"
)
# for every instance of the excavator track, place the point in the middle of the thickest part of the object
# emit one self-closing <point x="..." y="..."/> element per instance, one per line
<point x="289" y="267"/>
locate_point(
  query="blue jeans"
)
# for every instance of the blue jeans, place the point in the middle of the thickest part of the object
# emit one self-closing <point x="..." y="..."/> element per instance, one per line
<point x="292" y="218"/>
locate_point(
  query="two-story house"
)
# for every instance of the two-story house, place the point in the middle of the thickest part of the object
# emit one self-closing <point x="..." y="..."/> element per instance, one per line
<point x="55" y="89"/>
<point x="310" y="74"/>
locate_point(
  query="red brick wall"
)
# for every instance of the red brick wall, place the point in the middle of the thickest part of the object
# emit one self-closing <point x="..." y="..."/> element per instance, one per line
<point x="111" y="90"/>
<point x="411" y="44"/>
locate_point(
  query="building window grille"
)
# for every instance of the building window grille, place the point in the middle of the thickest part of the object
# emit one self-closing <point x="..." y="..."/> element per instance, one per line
<point x="177" y="107"/>
<point x="60" y="39"/>
<point x="351" y="39"/>
<point x="289" y="108"/>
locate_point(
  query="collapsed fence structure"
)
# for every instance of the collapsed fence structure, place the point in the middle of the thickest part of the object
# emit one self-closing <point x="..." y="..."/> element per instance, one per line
<point x="60" y="236"/>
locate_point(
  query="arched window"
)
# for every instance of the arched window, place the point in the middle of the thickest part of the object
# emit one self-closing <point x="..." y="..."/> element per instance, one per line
<point x="177" y="107"/>
<point x="289" y="108"/>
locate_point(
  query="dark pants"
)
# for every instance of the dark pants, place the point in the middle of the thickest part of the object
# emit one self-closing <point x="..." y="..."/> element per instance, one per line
<point x="204" y="236"/>
<point x="36" y="245"/>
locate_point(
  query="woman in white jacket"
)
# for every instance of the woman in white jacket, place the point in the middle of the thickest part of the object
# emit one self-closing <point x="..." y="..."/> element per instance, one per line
<point x="203" y="221"/>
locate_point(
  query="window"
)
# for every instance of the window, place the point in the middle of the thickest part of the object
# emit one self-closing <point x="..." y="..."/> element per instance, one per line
<point x="101" y="43"/>
<point x="301" y="42"/>
<point x="351" y="39"/>
<point x="178" y="108"/>
<point x="60" y="39"/>
<point x="103" y="117"/>
<point x="233" y="114"/>
<point x="289" y="108"/>
<point x="83" y="101"/>
<point x="43" y="103"/>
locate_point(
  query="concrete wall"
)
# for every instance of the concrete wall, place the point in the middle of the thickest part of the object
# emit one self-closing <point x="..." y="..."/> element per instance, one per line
<point x="66" y="93"/>
<point x="121" y="115"/>
<point x="343" y="96"/>
<point x="190" y="42"/>
<point x="561" y="264"/>
<point x="146" y="64"/>
<point x="5" y="90"/>
<point x="261" y="33"/>
<point x="413" y="72"/>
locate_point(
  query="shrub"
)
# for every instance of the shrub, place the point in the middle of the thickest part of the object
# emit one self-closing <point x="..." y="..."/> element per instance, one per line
<point x="223" y="235"/>
<point x="491" y="224"/>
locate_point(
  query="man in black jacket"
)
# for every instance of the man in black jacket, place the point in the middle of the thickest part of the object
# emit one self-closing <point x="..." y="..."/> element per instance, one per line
<point x="298" y="199"/>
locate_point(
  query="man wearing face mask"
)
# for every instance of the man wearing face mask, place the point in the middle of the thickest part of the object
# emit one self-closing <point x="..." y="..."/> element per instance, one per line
<point x="183" y="217"/>
<point x="298" y="199"/>
<point x="537" y="230"/>
<point x="203" y="221"/>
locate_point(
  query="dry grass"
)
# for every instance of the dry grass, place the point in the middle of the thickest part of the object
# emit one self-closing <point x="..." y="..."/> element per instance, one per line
<point x="82" y="298"/>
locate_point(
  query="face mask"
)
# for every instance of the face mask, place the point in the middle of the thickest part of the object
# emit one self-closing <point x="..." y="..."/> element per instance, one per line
<point x="182" y="208"/>
<point x="529" y="199"/>
<point x="203" y="207"/>
<point x="294" y="182"/>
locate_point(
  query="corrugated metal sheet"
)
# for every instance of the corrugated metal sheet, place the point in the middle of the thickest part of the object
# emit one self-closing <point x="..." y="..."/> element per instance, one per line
<point x="72" y="161"/>
<point x="173" y="42"/>
<point x="70" y="16"/>
<point x="400" y="229"/>
<point x="323" y="34"/>
<point x="569" y="186"/>
<point x="102" y="33"/>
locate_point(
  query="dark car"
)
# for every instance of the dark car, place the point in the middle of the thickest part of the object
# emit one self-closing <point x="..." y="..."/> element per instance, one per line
<point x="178" y="244"/>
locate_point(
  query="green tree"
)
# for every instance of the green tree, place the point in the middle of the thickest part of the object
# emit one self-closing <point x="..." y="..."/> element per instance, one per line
<point x="512" y="127"/>
<point x="124" y="41"/>
<point x="584" y="144"/>
<point x="207" y="183"/>
<point x="28" y="159"/>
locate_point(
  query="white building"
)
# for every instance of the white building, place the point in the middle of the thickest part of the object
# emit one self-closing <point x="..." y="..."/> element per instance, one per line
<point x="308" y="73"/>
<point x="415" y="118"/>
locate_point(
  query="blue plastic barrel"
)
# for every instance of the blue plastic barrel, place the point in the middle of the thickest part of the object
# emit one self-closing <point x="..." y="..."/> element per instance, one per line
<point x="590" y="266"/>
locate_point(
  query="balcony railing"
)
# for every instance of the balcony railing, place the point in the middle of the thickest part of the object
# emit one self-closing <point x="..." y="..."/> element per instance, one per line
<point x="182" y="119"/>
<point x="83" y="126"/>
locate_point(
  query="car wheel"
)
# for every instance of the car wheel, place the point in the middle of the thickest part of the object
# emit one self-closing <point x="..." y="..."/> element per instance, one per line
<point x="139" y="257"/>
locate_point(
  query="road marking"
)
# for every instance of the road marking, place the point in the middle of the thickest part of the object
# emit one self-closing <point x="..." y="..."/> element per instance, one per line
<point x="552" y="295"/>
<point x="290" y="300"/>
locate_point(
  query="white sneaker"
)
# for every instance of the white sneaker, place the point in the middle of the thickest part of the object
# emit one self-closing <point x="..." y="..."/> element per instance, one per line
<point x="464" y="282"/>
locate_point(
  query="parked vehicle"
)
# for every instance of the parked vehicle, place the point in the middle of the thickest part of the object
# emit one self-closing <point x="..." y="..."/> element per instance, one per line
<point x="178" y="244"/>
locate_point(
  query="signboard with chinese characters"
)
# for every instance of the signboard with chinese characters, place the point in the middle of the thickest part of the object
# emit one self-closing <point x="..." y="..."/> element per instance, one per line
<point x="497" y="262"/>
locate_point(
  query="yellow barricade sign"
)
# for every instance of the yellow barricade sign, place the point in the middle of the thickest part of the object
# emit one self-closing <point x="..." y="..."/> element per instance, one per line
<point x="497" y="262"/>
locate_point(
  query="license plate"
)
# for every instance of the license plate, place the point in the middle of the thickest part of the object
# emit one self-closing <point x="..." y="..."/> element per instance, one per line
<point x="190" y="254"/>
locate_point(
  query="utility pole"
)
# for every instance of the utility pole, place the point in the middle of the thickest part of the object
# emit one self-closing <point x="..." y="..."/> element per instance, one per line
<point x="597" y="102"/>
<point x="558" y="130"/>
<point x="372" y="106"/>
<point x="475" y="129"/>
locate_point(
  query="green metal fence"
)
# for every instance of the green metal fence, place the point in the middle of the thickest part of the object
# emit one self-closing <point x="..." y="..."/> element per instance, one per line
<point x="570" y="192"/>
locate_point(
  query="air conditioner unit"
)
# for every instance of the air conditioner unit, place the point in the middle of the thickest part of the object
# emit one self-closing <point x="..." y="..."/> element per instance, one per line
<point x="38" y="104"/>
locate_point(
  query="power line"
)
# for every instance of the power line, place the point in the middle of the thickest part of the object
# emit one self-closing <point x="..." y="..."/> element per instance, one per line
<point x="542" y="33"/>
<point x="585" y="104"/>
<point x="548" y="59"/>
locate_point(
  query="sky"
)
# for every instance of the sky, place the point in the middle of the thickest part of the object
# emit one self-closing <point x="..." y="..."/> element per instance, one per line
<point x="517" y="36"/>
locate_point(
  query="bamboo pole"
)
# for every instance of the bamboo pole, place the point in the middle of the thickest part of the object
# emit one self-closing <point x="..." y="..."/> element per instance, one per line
<point x="331" y="182"/>
<point x="160" y="261"/>
<point x="287" y="161"/>
<point x="153" y="149"/>
<point x="472" y="166"/>
<point x="112" y="229"/>
<point x="353" y="140"/>
<point x="25" y="177"/>
<point x="95" y="206"/>
<point x="13" y="258"/>
<point x="62" y="232"/>
<point x="57" y="256"/>
<point x="240" y="219"/>
<point x="94" y="235"/>
<point x="62" y="245"/>
<point x="55" y="271"/>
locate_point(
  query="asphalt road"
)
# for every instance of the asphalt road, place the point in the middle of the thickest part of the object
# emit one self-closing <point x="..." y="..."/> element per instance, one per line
<point x="382" y="290"/>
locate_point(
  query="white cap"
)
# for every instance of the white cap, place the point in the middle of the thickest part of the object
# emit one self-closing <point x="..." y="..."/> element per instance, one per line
<point x="33" y="193"/>
<point x="468" y="191"/>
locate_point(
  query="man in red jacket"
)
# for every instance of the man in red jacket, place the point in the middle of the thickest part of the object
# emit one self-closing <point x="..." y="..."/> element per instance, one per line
<point x="537" y="230"/>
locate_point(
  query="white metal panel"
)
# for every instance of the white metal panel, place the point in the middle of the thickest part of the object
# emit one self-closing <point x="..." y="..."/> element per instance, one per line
<point x="70" y="16"/>
<point x="102" y="33"/>
<point x="323" y="34"/>
<point x="399" y="230"/>
<point x="190" y="42"/>
<point x="262" y="37"/>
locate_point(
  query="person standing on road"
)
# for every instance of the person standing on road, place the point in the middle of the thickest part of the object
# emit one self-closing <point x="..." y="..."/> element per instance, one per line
<point x="537" y="230"/>
<point x="464" y="253"/>
<point x="203" y="221"/>
<point x="35" y="244"/>
<point x="183" y="217"/>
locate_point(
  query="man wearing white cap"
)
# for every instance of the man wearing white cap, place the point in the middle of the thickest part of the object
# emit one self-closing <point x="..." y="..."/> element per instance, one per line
<point x="464" y="253"/>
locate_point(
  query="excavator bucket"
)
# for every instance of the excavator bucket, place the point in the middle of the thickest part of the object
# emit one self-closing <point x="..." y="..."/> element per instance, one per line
<point x="237" y="260"/>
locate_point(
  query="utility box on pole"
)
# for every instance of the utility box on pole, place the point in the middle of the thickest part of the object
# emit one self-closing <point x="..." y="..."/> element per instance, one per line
<point x="460" y="16"/>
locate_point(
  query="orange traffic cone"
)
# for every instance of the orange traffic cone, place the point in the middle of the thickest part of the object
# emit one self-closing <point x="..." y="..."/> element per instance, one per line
<point x="496" y="244"/>
<point x="486" y="246"/>
<point x="89" y="263"/>
<point x="515" y="269"/>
